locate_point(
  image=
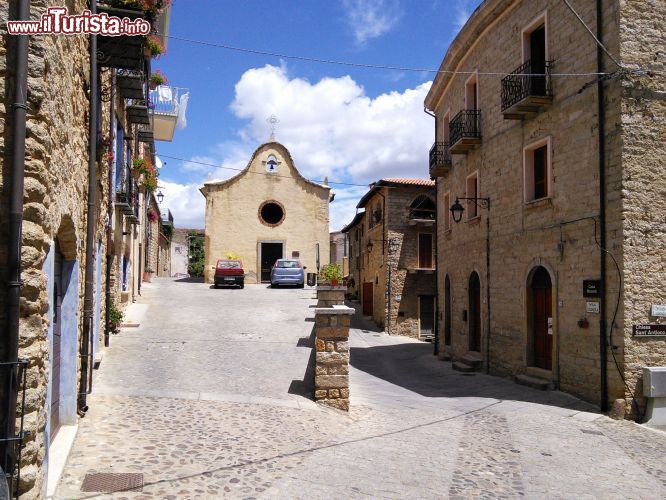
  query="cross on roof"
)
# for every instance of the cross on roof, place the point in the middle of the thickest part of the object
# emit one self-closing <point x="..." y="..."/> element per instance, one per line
<point x="272" y="122"/>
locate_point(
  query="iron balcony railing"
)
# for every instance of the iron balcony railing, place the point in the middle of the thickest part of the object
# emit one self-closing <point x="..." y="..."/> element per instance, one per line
<point x="465" y="125"/>
<point x="532" y="78"/>
<point x="440" y="156"/>
<point x="127" y="193"/>
<point x="167" y="217"/>
<point x="166" y="100"/>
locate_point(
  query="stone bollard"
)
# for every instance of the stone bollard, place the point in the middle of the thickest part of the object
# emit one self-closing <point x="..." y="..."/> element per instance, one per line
<point x="328" y="296"/>
<point x="332" y="356"/>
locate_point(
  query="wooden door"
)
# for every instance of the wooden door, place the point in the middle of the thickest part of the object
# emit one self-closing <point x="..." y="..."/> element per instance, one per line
<point x="542" y="320"/>
<point x="426" y="315"/>
<point x="57" y="335"/>
<point x="425" y="251"/>
<point x="367" y="298"/>
<point x="474" y="313"/>
<point x="447" y="311"/>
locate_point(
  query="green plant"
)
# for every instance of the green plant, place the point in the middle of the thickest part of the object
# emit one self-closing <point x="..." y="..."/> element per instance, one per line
<point x="158" y="78"/>
<point x="114" y="318"/>
<point x="155" y="46"/>
<point x="331" y="273"/>
<point x="167" y="231"/>
<point x="196" y="249"/>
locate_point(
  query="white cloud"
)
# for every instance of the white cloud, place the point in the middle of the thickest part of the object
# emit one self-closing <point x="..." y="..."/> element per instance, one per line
<point x="371" y="18"/>
<point x="332" y="129"/>
<point x="186" y="203"/>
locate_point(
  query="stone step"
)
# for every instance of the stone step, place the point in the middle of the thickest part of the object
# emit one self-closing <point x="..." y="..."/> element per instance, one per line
<point x="463" y="367"/>
<point x="533" y="382"/>
<point x="444" y="356"/>
<point x="471" y="361"/>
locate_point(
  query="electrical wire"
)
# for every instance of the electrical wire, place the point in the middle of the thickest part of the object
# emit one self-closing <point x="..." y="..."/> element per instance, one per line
<point x="363" y="65"/>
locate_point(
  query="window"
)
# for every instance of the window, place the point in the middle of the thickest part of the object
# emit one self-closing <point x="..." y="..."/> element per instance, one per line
<point x="535" y="39"/>
<point x="472" y="92"/>
<point x="447" y="216"/>
<point x="422" y="208"/>
<point x="425" y="251"/>
<point x="536" y="161"/>
<point x="271" y="213"/>
<point x="472" y="192"/>
<point x="375" y="215"/>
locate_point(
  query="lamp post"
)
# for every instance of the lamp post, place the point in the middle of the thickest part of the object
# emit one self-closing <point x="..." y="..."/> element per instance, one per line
<point x="457" y="212"/>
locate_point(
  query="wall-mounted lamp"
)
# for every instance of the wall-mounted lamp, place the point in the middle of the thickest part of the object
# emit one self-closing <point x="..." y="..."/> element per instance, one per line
<point x="159" y="196"/>
<point x="457" y="209"/>
<point x="370" y="245"/>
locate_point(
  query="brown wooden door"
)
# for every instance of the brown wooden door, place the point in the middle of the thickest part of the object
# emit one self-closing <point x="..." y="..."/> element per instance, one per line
<point x="55" y="351"/>
<point x="425" y="250"/>
<point x="542" y="317"/>
<point x="427" y="315"/>
<point x="447" y="311"/>
<point x="474" y="313"/>
<point x="367" y="299"/>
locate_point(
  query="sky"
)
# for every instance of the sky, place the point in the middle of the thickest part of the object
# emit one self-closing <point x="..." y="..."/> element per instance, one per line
<point x="352" y="125"/>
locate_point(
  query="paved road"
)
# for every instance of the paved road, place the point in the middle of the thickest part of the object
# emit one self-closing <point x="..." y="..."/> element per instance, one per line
<point x="206" y="398"/>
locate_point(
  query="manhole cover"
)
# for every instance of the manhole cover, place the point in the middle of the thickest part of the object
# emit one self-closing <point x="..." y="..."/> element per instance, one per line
<point x="105" y="482"/>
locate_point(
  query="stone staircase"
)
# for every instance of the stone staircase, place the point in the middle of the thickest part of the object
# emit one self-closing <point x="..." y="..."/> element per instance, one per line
<point x="467" y="364"/>
<point x="536" y="379"/>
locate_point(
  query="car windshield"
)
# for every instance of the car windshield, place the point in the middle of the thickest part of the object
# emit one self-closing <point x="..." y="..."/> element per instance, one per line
<point x="288" y="263"/>
<point x="229" y="264"/>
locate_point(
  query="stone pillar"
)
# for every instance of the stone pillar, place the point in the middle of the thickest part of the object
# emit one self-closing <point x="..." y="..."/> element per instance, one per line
<point x="332" y="356"/>
<point x="328" y="296"/>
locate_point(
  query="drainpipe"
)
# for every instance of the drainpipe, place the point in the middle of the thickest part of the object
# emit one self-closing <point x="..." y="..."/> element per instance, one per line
<point x="488" y="288"/>
<point x="88" y="294"/>
<point x="11" y="338"/>
<point x="109" y="215"/>
<point x="437" y="317"/>
<point x="603" y="354"/>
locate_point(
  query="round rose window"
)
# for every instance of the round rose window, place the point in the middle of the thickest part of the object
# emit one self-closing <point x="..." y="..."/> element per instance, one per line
<point x="271" y="213"/>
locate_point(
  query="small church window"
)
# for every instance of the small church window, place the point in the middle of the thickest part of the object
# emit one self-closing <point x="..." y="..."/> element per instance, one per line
<point x="271" y="213"/>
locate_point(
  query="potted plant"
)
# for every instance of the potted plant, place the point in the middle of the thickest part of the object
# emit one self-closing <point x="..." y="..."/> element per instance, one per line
<point x="114" y="318"/>
<point x="149" y="181"/>
<point x="148" y="275"/>
<point x="104" y="149"/>
<point x="331" y="274"/>
<point x="167" y="231"/>
<point x="154" y="47"/>
<point x="156" y="79"/>
<point x="140" y="166"/>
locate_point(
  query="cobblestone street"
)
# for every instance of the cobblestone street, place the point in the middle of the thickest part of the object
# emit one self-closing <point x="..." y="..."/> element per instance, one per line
<point x="207" y="399"/>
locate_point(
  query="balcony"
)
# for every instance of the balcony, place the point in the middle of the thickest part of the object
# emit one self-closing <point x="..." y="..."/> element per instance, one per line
<point x="166" y="218"/>
<point x="168" y="106"/>
<point x="527" y="90"/>
<point x="137" y="112"/>
<point x="127" y="195"/>
<point x="465" y="131"/>
<point x="440" y="159"/>
<point x="121" y="52"/>
<point x="131" y="83"/>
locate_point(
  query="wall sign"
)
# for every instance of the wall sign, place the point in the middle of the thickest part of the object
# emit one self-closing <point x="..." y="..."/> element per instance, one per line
<point x="591" y="288"/>
<point x="550" y="326"/>
<point x="592" y="307"/>
<point x="659" y="310"/>
<point x="649" y="330"/>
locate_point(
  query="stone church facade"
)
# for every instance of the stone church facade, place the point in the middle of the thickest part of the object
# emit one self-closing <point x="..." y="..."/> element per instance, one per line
<point x="266" y="212"/>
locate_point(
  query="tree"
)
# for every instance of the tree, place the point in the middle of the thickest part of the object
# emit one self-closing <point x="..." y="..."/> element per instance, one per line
<point x="196" y="248"/>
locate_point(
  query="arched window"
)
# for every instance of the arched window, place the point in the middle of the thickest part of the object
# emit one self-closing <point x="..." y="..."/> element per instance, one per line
<point x="422" y="208"/>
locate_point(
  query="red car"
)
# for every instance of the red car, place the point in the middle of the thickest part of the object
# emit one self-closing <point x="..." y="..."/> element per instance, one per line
<point x="229" y="272"/>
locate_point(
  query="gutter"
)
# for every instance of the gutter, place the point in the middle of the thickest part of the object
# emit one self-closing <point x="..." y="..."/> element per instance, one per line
<point x="603" y="353"/>
<point x="11" y="337"/>
<point x="91" y="220"/>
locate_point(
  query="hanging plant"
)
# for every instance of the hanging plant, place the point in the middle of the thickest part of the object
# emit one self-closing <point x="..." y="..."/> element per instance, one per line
<point x="167" y="231"/>
<point x="156" y="79"/>
<point x="104" y="149"/>
<point x="152" y="215"/>
<point x="149" y="182"/>
<point x="154" y="46"/>
<point x="141" y="165"/>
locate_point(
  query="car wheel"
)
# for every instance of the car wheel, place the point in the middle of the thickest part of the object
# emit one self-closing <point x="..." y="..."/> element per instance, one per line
<point x="302" y="285"/>
<point x="216" y="286"/>
<point x="273" y="285"/>
<point x="242" y="285"/>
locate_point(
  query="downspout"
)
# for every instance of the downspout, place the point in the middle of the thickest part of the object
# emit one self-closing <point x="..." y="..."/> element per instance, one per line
<point x="488" y="289"/>
<point x="11" y="338"/>
<point x="603" y="354"/>
<point x="88" y="294"/>
<point x="109" y="216"/>
<point x="388" y="265"/>
<point x="437" y="317"/>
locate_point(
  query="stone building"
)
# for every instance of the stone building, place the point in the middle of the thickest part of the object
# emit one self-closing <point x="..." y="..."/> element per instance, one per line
<point x="338" y="251"/>
<point x="394" y="246"/>
<point x="267" y="212"/>
<point x="556" y="172"/>
<point x="158" y="232"/>
<point x="355" y="230"/>
<point x="79" y="211"/>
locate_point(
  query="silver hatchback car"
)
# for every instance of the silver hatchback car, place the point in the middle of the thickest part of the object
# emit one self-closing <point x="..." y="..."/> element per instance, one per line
<point x="287" y="272"/>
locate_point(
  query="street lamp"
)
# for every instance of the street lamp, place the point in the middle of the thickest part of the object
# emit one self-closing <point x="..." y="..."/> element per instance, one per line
<point x="457" y="209"/>
<point x="160" y="197"/>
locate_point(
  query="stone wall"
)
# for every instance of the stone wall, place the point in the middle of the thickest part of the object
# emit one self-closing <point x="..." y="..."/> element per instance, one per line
<point x="558" y="232"/>
<point x="332" y="356"/>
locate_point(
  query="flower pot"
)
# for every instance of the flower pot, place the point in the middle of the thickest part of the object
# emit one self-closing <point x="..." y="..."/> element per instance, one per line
<point x="152" y="85"/>
<point x="147" y="276"/>
<point x="136" y="174"/>
<point x="334" y="282"/>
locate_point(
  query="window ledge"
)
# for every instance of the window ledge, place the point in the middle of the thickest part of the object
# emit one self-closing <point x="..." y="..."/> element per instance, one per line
<point x="541" y="202"/>
<point x="474" y="220"/>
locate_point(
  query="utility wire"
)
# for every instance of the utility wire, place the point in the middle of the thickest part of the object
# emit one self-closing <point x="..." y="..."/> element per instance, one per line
<point x="363" y="65"/>
<point x="316" y="181"/>
<point x="601" y="45"/>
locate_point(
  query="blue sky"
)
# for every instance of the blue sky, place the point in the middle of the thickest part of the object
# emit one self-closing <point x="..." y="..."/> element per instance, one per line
<point x="350" y="124"/>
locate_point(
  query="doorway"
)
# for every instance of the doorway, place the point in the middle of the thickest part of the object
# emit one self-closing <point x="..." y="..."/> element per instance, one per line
<point x="537" y="45"/>
<point x="541" y="319"/>
<point x="368" y="305"/>
<point x="474" y="313"/>
<point x="426" y="316"/>
<point x="269" y="252"/>
<point x="57" y="341"/>
<point x="447" y="311"/>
